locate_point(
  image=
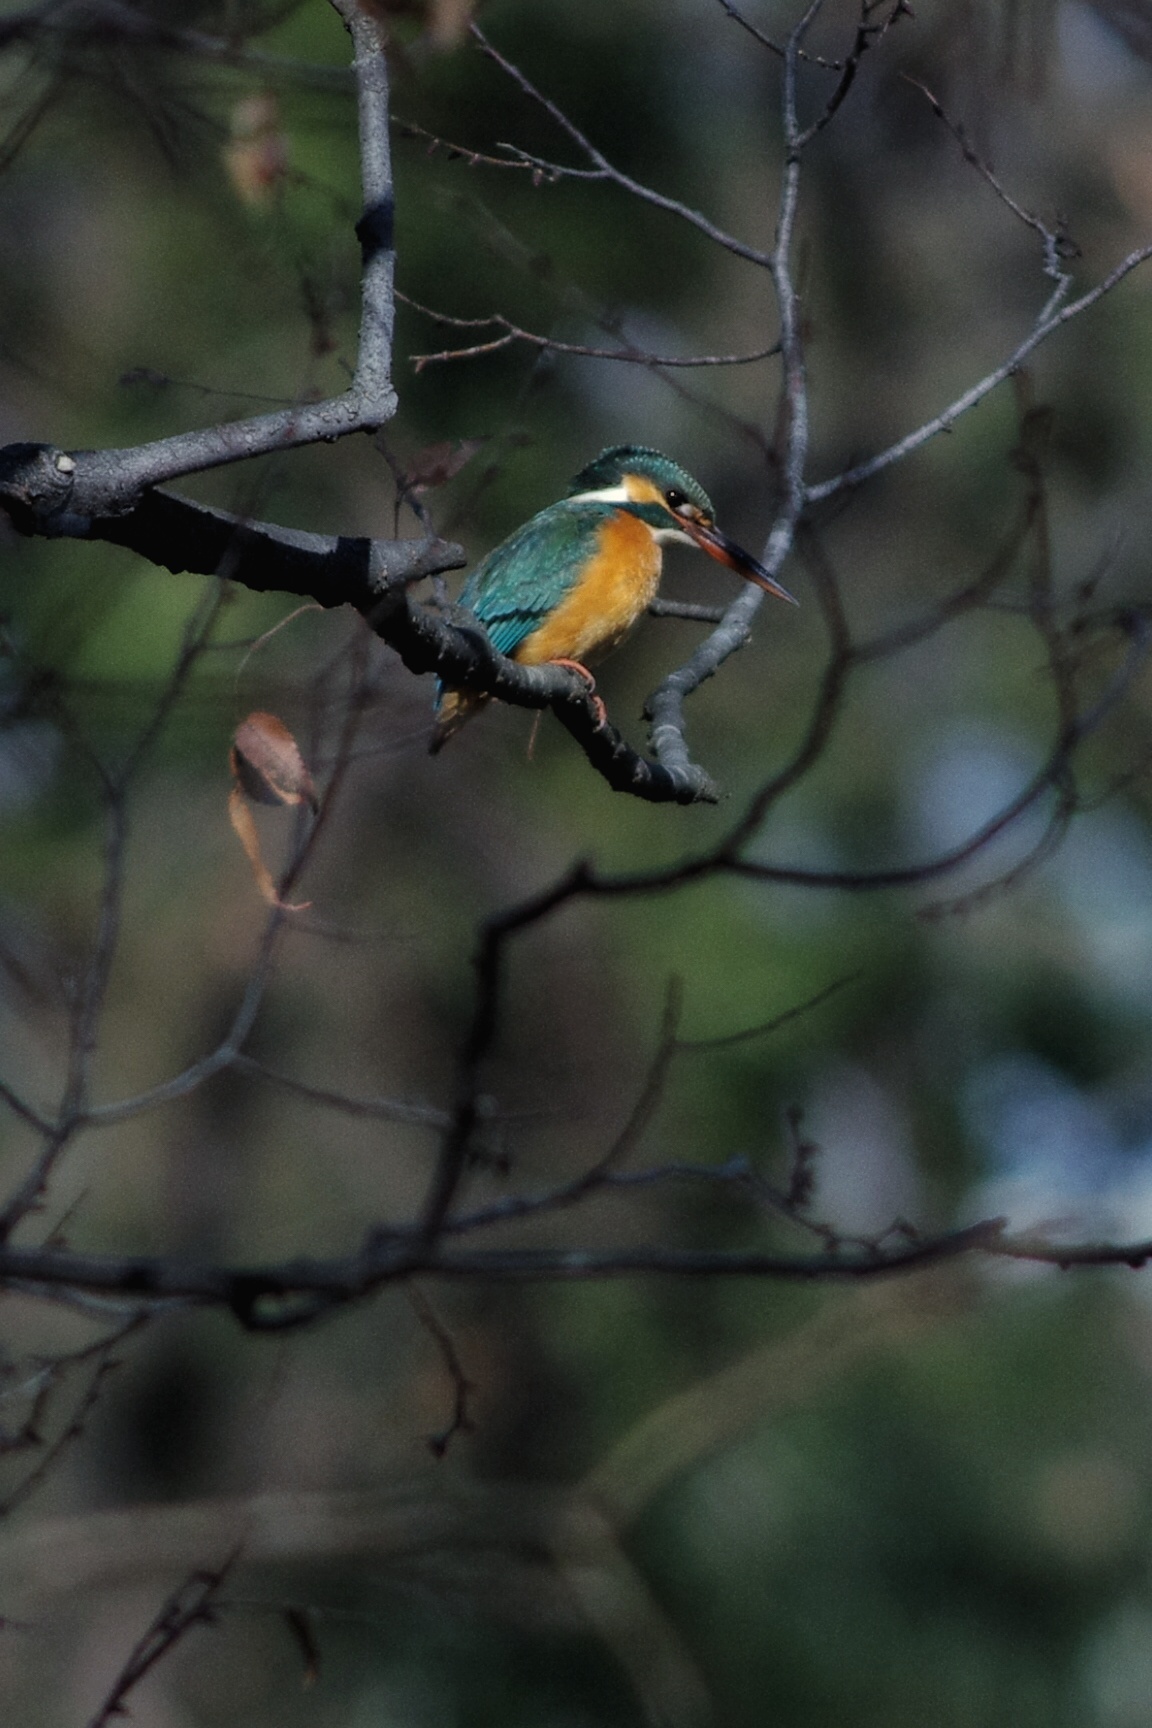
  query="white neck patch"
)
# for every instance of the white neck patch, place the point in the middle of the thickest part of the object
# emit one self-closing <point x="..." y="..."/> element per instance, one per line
<point x="621" y="495"/>
<point x="607" y="495"/>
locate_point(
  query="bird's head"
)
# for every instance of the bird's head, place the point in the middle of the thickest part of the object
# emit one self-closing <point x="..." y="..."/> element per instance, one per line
<point x="650" y="485"/>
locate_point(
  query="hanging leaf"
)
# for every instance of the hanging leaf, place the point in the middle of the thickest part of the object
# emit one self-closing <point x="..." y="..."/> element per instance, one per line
<point x="448" y="22"/>
<point x="436" y="464"/>
<point x="257" y="155"/>
<point x="267" y="768"/>
<point x="444" y="22"/>
<point x="267" y="763"/>
<point x="299" y="1622"/>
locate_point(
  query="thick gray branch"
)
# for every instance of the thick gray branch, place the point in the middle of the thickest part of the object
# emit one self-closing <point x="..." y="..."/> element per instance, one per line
<point x="57" y="494"/>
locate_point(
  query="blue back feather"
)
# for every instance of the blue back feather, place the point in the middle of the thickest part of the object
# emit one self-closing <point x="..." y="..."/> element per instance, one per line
<point x="525" y="578"/>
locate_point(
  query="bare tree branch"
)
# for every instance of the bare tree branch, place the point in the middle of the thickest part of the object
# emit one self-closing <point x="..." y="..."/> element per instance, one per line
<point x="665" y="707"/>
<point x="99" y="1361"/>
<point x="601" y="168"/>
<point x="460" y="1421"/>
<point x="59" y="22"/>
<point x="192" y="1604"/>
<point x="1046" y="325"/>
<point x="88" y="1011"/>
<point x="101" y="483"/>
<point x="512" y="333"/>
<point x="367" y="574"/>
<point x="1058" y="247"/>
<point x="292" y="1293"/>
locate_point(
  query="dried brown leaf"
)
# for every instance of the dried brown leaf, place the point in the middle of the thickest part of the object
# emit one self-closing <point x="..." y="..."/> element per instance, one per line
<point x="299" y="1622"/>
<point x="244" y="827"/>
<point x="436" y="464"/>
<point x="267" y="768"/>
<point x="444" y="22"/>
<point x="267" y="763"/>
<point x="257" y="155"/>
<point x="448" y="21"/>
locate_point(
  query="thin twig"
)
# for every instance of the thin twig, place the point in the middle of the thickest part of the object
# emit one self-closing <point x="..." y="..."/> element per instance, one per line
<point x="665" y="707"/>
<point x="192" y="1604"/>
<point x="1048" y="323"/>
<point x="104" y="1361"/>
<point x="512" y="333"/>
<point x="1058" y="246"/>
<point x="602" y="168"/>
<point x="461" y="1421"/>
<point x="88" y="1012"/>
<point x="868" y="35"/>
<point x="119" y="477"/>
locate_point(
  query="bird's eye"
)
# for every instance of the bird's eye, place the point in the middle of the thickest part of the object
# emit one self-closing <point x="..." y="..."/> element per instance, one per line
<point x="675" y="500"/>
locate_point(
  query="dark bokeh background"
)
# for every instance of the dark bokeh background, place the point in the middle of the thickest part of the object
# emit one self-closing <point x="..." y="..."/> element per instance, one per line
<point x="926" y="1502"/>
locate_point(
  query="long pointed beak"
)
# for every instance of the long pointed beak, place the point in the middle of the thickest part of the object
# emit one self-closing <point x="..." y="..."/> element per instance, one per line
<point x="725" y="551"/>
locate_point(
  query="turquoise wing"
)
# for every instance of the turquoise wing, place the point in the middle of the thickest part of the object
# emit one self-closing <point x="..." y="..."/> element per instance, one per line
<point x="525" y="578"/>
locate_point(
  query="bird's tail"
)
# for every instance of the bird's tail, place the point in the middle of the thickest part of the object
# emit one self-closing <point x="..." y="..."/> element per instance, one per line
<point x="453" y="708"/>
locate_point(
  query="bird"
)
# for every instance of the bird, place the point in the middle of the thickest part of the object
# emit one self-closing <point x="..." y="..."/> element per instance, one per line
<point x="571" y="582"/>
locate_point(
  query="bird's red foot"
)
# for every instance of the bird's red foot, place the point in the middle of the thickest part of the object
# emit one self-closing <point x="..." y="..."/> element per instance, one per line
<point x="582" y="671"/>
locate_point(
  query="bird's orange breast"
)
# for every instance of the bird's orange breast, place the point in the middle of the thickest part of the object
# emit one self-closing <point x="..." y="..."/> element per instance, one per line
<point x="614" y="589"/>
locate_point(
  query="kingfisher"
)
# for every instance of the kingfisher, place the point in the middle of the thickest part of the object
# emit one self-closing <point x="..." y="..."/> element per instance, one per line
<point x="574" y="579"/>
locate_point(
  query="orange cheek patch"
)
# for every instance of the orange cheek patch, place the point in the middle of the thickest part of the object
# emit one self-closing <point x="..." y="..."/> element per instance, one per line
<point x="615" y="589"/>
<point x="641" y="490"/>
